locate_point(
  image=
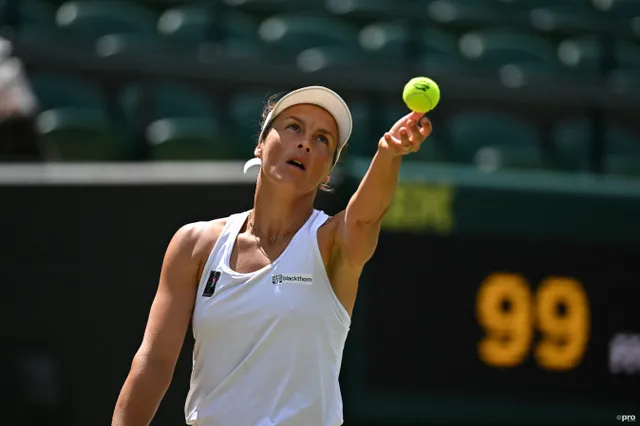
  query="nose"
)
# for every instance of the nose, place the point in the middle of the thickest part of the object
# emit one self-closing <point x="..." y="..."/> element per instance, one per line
<point x="304" y="144"/>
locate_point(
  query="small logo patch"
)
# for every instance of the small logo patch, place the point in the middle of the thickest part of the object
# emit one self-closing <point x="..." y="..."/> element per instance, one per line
<point x="278" y="279"/>
<point x="210" y="287"/>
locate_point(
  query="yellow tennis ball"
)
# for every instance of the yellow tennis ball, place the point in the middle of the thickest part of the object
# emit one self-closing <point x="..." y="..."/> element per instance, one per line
<point x="421" y="94"/>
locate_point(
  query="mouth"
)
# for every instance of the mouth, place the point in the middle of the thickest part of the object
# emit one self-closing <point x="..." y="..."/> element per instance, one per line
<point x="297" y="164"/>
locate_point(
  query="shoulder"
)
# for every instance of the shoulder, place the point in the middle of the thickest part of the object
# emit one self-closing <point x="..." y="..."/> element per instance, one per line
<point x="197" y="239"/>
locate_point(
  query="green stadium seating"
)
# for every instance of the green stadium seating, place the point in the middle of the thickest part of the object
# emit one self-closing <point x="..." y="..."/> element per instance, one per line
<point x="465" y="11"/>
<point x="376" y="8"/>
<point x="31" y="21"/>
<point x="89" y="20"/>
<point x="553" y="15"/>
<point x="194" y="24"/>
<point x="28" y="12"/>
<point x="621" y="14"/>
<point x="495" y="140"/>
<point x="627" y="56"/>
<point x="291" y="34"/>
<point x="582" y="56"/>
<point x="492" y="49"/>
<point x="572" y="143"/>
<point x="385" y="42"/>
<point x="275" y="5"/>
<point x="389" y="43"/>
<point x="441" y="52"/>
<point x="187" y="25"/>
<point x="363" y="141"/>
<point x="245" y="112"/>
<point x="622" y="152"/>
<point x="183" y="124"/>
<point x="318" y="58"/>
<point x="74" y="120"/>
<point x="626" y="75"/>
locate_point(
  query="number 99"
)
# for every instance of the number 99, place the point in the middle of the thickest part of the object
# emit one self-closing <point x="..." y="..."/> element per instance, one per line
<point x="507" y="312"/>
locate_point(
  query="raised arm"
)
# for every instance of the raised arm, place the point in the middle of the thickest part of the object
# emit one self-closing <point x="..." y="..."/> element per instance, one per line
<point x="154" y="363"/>
<point x="359" y="227"/>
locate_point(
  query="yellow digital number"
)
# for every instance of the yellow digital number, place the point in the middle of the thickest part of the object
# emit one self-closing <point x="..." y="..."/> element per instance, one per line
<point x="563" y="319"/>
<point x="504" y="310"/>
<point x="418" y="206"/>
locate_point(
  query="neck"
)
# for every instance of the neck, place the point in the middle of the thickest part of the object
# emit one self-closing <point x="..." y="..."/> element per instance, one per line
<point x="277" y="212"/>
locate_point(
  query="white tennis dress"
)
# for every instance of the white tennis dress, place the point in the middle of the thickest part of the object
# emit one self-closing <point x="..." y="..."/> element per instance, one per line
<point x="268" y="344"/>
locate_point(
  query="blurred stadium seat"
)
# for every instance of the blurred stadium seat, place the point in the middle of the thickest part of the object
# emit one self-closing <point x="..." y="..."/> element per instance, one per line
<point x="552" y="15"/>
<point x="362" y="141"/>
<point x="622" y="151"/>
<point x="95" y="19"/>
<point x="27" y="12"/>
<point x="74" y="120"/>
<point x="116" y="27"/>
<point x="441" y="53"/>
<point x="183" y="124"/>
<point x="375" y="9"/>
<point x="582" y="56"/>
<point x="465" y="11"/>
<point x="493" y="140"/>
<point x="193" y="24"/>
<point x="291" y="34"/>
<point x="573" y="140"/>
<point x="385" y="42"/>
<point x="498" y="50"/>
<point x="211" y="33"/>
<point x="626" y="73"/>
<point x="28" y="19"/>
<point x="245" y="111"/>
<point x="187" y="24"/>
<point x="621" y="14"/>
<point x="392" y="43"/>
<point x="275" y="5"/>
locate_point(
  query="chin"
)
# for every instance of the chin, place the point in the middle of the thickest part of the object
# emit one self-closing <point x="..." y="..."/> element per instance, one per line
<point x="292" y="185"/>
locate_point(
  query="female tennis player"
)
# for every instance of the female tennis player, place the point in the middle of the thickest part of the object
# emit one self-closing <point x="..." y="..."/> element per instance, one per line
<point x="270" y="291"/>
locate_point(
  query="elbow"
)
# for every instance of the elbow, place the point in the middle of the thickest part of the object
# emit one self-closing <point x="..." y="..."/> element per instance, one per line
<point x="161" y="370"/>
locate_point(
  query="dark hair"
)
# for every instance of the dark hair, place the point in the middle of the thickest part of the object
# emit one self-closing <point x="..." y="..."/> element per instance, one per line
<point x="269" y="105"/>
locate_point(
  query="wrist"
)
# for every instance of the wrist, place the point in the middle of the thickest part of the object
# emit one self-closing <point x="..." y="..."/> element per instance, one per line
<point x="386" y="152"/>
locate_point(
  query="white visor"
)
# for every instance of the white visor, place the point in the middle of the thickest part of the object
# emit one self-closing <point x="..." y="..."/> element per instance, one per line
<point x="314" y="95"/>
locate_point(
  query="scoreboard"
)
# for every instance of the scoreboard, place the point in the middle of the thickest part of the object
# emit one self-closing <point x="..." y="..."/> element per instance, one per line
<point x="477" y="328"/>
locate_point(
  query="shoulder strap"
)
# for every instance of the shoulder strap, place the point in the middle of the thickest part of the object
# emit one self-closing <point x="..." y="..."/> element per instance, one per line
<point x="229" y="235"/>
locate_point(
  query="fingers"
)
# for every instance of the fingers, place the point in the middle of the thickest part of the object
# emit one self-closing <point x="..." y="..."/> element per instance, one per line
<point x="405" y="138"/>
<point x="391" y="141"/>
<point x="409" y="137"/>
<point x="426" y="128"/>
<point x="415" y="116"/>
<point x="416" y="133"/>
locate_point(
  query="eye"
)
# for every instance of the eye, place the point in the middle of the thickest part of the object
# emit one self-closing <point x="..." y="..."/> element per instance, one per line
<point x="323" y="139"/>
<point x="294" y="126"/>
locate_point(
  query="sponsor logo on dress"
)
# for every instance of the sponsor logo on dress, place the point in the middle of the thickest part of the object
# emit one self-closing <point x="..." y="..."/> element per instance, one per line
<point x="278" y="279"/>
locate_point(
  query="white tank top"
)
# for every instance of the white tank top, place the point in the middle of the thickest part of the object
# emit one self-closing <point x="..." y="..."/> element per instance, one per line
<point x="268" y="344"/>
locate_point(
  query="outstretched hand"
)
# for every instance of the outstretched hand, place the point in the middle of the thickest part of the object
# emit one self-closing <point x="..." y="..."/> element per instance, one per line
<point x="406" y="136"/>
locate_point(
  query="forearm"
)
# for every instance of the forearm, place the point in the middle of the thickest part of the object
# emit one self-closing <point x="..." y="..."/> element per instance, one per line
<point x="373" y="197"/>
<point x="141" y="394"/>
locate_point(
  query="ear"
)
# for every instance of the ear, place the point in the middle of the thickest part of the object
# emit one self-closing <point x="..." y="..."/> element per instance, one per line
<point x="258" y="151"/>
<point x="326" y="179"/>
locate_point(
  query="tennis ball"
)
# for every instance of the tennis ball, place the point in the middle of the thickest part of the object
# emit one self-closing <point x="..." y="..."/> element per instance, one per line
<point x="421" y="94"/>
